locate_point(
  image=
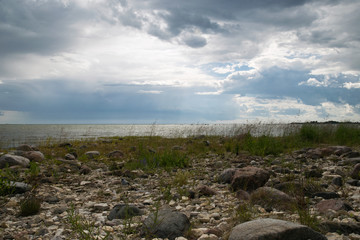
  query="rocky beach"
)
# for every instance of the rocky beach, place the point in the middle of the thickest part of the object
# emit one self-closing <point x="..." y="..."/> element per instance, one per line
<point x="195" y="188"/>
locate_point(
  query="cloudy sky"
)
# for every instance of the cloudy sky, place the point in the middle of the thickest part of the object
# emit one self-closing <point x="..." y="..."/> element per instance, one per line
<point x="179" y="61"/>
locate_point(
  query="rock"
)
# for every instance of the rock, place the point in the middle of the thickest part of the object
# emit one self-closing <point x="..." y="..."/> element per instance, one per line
<point x="273" y="229"/>
<point x="70" y="156"/>
<point x="349" y="161"/>
<point x="313" y="173"/>
<point x="24" y="148"/>
<point x="92" y="154"/>
<point x="327" y="195"/>
<point x="338" y="181"/>
<point x="124" y="211"/>
<point x="340" y="227"/>
<point x="12" y="160"/>
<point x="19" y="187"/>
<point x="206" y="191"/>
<point x="208" y="237"/>
<point x="249" y="178"/>
<point x="116" y="154"/>
<point x="65" y="144"/>
<point x="227" y="175"/>
<point x="168" y="224"/>
<point x="34" y="156"/>
<point x="332" y="204"/>
<point x="84" y="169"/>
<point x="99" y="207"/>
<point x="268" y="197"/>
<point x="242" y="195"/>
<point x="355" y="174"/>
<point x="353" y="182"/>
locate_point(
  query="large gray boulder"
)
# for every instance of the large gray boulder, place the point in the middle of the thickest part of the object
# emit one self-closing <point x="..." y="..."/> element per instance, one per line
<point x="249" y="178"/>
<point x="12" y="160"/>
<point x="273" y="229"/>
<point x="165" y="224"/>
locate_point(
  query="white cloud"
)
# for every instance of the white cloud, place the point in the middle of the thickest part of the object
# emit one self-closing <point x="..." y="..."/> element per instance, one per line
<point x="316" y="83"/>
<point x="291" y="109"/>
<point x="150" y="91"/>
<point x="209" y="93"/>
<point x="350" y="85"/>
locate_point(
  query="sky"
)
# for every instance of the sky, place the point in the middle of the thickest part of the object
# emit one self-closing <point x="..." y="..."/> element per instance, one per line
<point x="179" y="61"/>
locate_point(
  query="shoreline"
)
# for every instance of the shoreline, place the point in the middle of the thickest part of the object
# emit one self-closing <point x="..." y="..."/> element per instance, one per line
<point x="87" y="180"/>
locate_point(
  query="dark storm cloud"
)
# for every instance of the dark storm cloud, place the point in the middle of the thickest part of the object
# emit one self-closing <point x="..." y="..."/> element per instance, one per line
<point x="37" y="27"/>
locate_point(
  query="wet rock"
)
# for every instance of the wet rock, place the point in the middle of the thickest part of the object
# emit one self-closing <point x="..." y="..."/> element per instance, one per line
<point x="124" y="211"/>
<point x="92" y="154"/>
<point x="9" y="160"/>
<point x="167" y="224"/>
<point x="249" y="178"/>
<point x="227" y="175"/>
<point x="268" y="197"/>
<point x="332" y="204"/>
<point x="273" y="229"/>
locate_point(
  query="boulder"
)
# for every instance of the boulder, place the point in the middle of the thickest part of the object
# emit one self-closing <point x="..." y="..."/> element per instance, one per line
<point x="268" y="197"/>
<point x="355" y="174"/>
<point x="340" y="227"/>
<point x="242" y="195"/>
<point x="116" y="154"/>
<point x="16" y="188"/>
<point x="12" y="160"/>
<point x="92" y="154"/>
<point x="227" y="175"/>
<point x="124" y="211"/>
<point x="273" y="229"/>
<point x="165" y="224"/>
<point x="249" y="178"/>
<point x="327" y="195"/>
<point x="34" y="156"/>
<point x="24" y="147"/>
<point x="70" y="156"/>
<point x="332" y="204"/>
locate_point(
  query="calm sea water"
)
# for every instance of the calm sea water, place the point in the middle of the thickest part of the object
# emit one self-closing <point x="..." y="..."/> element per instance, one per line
<point x="12" y="135"/>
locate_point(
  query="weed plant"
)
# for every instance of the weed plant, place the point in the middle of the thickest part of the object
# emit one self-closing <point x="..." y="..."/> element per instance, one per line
<point x="82" y="228"/>
<point x="30" y="206"/>
<point x="6" y="181"/>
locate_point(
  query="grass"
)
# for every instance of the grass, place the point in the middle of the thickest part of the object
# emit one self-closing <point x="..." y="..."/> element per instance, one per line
<point x="30" y="206"/>
<point x="82" y="228"/>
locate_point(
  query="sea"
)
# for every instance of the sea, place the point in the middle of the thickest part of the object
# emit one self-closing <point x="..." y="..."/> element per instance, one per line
<point x="12" y="135"/>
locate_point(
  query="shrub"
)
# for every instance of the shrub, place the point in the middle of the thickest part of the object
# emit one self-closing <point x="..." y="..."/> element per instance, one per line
<point x="30" y="206"/>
